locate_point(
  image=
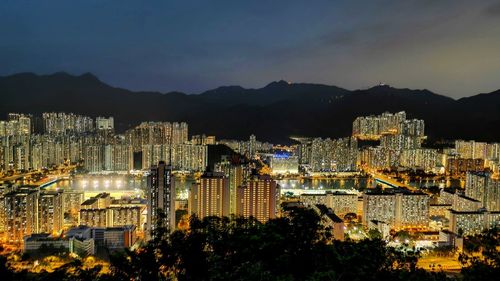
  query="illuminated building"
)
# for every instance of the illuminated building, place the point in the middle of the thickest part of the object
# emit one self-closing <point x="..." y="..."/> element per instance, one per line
<point x="19" y="124"/>
<point x="21" y="214"/>
<point x="203" y="139"/>
<point x="284" y="163"/>
<point x="2" y="208"/>
<point x="118" y="157"/>
<point x="210" y="140"/>
<point x="237" y="174"/>
<point x="125" y="215"/>
<point x="439" y="210"/>
<point x="446" y="197"/>
<point x="190" y="157"/>
<point x="210" y="196"/>
<point x="383" y="227"/>
<point x="50" y="212"/>
<point x="373" y="127"/>
<point x="379" y="207"/>
<point x="304" y="152"/>
<point x="337" y="155"/>
<point x="342" y="203"/>
<point x="422" y="158"/>
<point x="412" y="210"/>
<point x="103" y="123"/>
<point x="245" y="147"/>
<point x="100" y="201"/>
<point x="459" y="166"/>
<point x="93" y="158"/>
<point x="258" y="198"/>
<point x="34" y="242"/>
<point x="60" y="123"/>
<point x="477" y="150"/>
<point x="472" y="222"/>
<point x="378" y="158"/>
<point x="482" y="187"/>
<point x="396" y="209"/>
<point x="400" y="142"/>
<point x="154" y="153"/>
<point x="101" y="211"/>
<point x="179" y="133"/>
<point x="119" y="238"/>
<point x="252" y="145"/>
<point x="161" y="198"/>
<point x="72" y="201"/>
<point x="83" y="243"/>
<point x="457" y="201"/>
<point x="93" y="211"/>
<point x="311" y="199"/>
<point x="113" y="238"/>
<point x="464" y="203"/>
<point x="150" y="133"/>
<point x="93" y="217"/>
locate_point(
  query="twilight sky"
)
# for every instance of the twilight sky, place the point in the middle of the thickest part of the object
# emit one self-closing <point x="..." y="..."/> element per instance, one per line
<point x="451" y="47"/>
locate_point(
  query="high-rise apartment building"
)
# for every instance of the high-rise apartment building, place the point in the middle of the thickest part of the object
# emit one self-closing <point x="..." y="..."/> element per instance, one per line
<point x="18" y="124"/>
<point x="459" y="166"/>
<point x="103" y="123"/>
<point x="118" y="157"/>
<point x="210" y="196"/>
<point x="60" y="123"/>
<point x="179" y="133"/>
<point x="189" y="157"/>
<point x="397" y="209"/>
<point x="161" y="199"/>
<point x="258" y="198"/>
<point x="93" y="158"/>
<point x="50" y="212"/>
<point x="473" y="222"/>
<point x="373" y="127"/>
<point x="154" y="153"/>
<point x="342" y="203"/>
<point x="477" y="150"/>
<point x="21" y="214"/>
<point x="338" y="155"/>
<point x="237" y="174"/>
<point x="482" y="187"/>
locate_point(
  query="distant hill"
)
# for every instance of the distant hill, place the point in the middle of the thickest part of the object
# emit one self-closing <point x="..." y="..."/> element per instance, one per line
<point x="272" y="113"/>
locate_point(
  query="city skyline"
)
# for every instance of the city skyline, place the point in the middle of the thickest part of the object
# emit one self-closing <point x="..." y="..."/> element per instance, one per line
<point x="71" y="184"/>
<point x="250" y="140"/>
<point x="449" y="47"/>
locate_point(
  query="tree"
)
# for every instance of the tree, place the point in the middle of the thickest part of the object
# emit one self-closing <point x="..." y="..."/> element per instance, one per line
<point x="374" y="234"/>
<point x="486" y="265"/>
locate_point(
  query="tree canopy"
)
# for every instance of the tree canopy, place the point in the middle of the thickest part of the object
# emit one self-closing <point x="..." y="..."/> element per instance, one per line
<point x="296" y="247"/>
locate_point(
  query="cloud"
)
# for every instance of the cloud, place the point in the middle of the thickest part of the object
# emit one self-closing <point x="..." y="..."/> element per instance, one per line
<point x="493" y="10"/>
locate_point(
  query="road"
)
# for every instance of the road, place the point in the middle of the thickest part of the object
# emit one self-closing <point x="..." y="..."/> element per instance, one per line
<point x="392" y="182"/>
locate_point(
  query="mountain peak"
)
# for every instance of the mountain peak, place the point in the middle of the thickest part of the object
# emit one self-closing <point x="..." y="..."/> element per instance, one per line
<point x="89" y="76"/>
<point x="280" y="83"/>
<point x="381" y="86"/>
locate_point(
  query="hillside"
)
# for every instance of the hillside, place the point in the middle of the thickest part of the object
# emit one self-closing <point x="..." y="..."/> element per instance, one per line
<point x="273" y="112"/>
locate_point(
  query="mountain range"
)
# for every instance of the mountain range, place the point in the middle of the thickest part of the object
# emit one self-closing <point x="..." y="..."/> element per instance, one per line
<point x="273" y="113"/>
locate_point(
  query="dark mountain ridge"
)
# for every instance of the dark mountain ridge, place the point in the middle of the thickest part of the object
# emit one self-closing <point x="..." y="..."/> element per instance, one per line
<point x="274" y="112"/>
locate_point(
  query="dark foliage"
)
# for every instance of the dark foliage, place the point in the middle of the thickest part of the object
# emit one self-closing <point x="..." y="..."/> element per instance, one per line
<point x="292" y="248"/>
